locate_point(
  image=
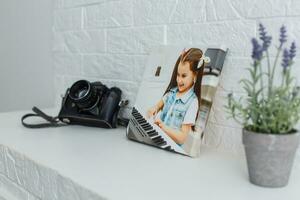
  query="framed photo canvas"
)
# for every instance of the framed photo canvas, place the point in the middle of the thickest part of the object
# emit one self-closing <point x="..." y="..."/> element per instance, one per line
<point x="175" y="97"/>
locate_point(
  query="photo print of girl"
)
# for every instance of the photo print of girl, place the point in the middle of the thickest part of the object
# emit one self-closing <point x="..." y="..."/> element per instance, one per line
<point x="177" y="111"/>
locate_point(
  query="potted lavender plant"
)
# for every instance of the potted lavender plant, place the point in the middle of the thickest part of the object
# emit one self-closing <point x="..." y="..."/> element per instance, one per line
<point x="269" y="113"/>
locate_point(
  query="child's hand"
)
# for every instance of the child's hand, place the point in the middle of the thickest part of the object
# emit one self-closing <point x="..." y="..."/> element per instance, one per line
<point x="152" y="112"/>
<point x="159" y="123"/>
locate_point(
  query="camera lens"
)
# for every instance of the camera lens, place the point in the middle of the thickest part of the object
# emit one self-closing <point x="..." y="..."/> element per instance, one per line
<point x="83" y="94"/>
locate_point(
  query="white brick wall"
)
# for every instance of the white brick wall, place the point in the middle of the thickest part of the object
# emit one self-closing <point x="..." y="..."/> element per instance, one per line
<point x="23" y="179"/>
<point x="9" y="190"/>
<point x="108" y="40"/>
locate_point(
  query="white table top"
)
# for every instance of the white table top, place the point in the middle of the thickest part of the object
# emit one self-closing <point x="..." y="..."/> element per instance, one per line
<point x="109" y="164"/>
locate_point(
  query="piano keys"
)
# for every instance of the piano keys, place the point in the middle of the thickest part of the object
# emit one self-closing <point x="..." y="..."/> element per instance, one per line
<point x="145" y="131"/>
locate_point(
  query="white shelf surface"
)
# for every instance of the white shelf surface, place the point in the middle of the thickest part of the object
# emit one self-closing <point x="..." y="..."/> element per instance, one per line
<point x="107" y="163"/>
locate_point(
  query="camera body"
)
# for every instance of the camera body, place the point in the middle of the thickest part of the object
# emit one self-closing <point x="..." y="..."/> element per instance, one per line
<point x="91" y="104"/>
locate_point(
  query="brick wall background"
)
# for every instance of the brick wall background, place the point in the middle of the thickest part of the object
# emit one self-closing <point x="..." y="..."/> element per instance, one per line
<point x="24" y="179"/>
<point x="109" y="40"/>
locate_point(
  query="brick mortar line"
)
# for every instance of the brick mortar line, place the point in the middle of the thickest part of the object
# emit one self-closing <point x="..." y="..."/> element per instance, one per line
<point x="162" y="24"/>
<point x="189" y="23"/>
<point x="93" y="77"/>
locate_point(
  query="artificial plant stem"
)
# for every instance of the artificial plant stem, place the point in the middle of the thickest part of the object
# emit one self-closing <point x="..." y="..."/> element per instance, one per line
<point x="263" y="124"/>
<point x="287" y="79"/>
<point x="261" y="79"/>
<point x="238" y="121"/>
<point x="273" y="70"/>
<point x="262" y="101"/>
<point x="286" y="76"/>
<point x="282" y="81"/>
<point x="253" y="98"/>
<point x="269" y="71"/>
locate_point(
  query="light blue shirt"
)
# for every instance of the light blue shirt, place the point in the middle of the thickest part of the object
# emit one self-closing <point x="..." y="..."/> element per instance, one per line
<point x="175" y="109"/>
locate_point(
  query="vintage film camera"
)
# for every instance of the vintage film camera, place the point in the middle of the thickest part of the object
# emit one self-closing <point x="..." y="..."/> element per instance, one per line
<point x="91" y="104"/>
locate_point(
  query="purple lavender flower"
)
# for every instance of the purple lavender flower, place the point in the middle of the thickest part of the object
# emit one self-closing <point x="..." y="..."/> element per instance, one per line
<point x="257" y="50"/>
<point x="262" y="31"/>
<point x="285" y="60"/>
<point x="267" y="42"/>
<point x="292" y="51"/>
<point x="283" y="36"/>
<point x="264" y="37"/>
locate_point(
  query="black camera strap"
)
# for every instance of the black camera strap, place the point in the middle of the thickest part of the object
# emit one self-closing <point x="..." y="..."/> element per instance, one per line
<point x="55" y="121"/>
<point x="51" y="121"/>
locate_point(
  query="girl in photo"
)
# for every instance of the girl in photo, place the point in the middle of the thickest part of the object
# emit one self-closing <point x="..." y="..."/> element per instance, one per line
<point x="180" y="103"/>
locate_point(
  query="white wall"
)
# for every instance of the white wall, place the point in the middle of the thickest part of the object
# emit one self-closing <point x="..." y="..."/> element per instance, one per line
<point x="109" y="41"/>
<point x="26" y="71"/>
